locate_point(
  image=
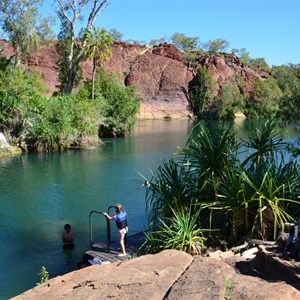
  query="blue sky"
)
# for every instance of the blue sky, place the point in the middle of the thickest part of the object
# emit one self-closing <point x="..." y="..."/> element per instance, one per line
<point x="266" y="28"/>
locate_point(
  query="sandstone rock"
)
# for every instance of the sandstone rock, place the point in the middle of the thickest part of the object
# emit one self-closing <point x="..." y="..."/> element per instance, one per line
<point x="160" y="74"/>
<point x="218" y="254"/>
<point x="146" y="277"/>
<point x="176" y="275"/>
<point x="209" y="278"/>
<point x="6" y="149"/>
<point x="162" y="83"/>
<point x="3" y="141"/>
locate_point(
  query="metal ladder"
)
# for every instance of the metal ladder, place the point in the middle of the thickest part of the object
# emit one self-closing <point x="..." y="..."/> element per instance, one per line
<point x="108" y="237"/>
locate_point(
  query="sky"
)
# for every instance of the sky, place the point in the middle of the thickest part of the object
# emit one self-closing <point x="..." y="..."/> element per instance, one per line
<point x="265" y="28"/>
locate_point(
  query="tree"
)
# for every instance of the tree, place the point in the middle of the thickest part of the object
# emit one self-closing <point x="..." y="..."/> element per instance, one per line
<point x="70" y="13"/>
<point x="267" y="97"/>
<point x="157" y="41"/>
<point x="242" y="54"/>
<point x="201" y="90"/>
<point x="119" y="104"/>
<point x="185" y="43"/>
<point x="260" y="63"/>
<point x="216" y="46"/>
<point x="117" y="35"/>
<point x="288" y="80"/>
<point x="20" y="20"/>
<point x="98" y="49"/>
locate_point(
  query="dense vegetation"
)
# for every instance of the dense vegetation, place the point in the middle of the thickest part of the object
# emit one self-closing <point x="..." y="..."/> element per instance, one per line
<point x="278" y="95"/>
<point x="103" y="105"/>
<point x="210" y="191"/>
<point x="39" y="123"/>
<point x="221" y="189"/>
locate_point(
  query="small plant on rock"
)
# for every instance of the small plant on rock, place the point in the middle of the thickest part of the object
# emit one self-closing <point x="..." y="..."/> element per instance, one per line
<point x="44" y="275"/>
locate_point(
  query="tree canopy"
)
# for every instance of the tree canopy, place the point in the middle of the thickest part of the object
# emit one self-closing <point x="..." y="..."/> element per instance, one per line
<point x="71" y="12"/>
<point x="21" y="21"/>
<point x="98" y="49"/>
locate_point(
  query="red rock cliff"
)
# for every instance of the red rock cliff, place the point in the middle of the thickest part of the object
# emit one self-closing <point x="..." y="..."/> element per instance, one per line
<point x="160" y="74"/>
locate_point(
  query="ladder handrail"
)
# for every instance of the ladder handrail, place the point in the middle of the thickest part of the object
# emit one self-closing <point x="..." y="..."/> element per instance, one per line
<point x="107" y="226"/>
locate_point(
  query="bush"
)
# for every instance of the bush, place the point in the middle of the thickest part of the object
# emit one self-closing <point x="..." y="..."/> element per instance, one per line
<point x="201" y="91"/>
<point x="265" y="99"/>
<point x="64" y="122"/>
<point x="229" y="191"/>
<point x="118" y="104"/>
<point x="20" y="96"/>
<point x="229" y="101"/>
<point x="288" y="80"/>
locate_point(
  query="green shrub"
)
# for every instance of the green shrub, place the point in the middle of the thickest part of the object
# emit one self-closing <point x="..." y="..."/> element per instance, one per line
<point x="64" y="122"/>
<point x="201" y="91"/>
<point x="20" y="94"/>
<point x="181" y="231"/>
<point x="288" y="80"/>
<point x="236" y="189"/>
<point x="44" y="275"/>
<point x="118" y="104"/>
<point x="229" y="101"/>
<point x="265" y="99"/>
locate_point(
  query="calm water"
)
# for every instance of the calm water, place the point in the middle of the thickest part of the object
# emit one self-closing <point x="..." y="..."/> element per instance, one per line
<point x="39" y="193"/>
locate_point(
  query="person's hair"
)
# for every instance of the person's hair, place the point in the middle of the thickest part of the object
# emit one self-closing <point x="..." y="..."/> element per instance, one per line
<point x="67" y="226"/>
<point x="118" y="207"/>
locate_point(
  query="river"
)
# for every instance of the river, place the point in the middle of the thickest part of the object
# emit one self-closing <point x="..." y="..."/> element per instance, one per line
<point x="39" y="193"/>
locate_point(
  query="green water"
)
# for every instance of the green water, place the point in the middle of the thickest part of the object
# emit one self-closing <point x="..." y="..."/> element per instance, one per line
<point x="39" y="193"/>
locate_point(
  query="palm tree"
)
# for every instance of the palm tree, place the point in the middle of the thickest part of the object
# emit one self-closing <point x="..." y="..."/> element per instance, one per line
<point x="97" y="49"/>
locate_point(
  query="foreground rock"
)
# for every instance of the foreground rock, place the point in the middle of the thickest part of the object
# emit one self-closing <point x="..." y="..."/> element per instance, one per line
<point x="173" y="274"/>
<point x="6" y="149"/>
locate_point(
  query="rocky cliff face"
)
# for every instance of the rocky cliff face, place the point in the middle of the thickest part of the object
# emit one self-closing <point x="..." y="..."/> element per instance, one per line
<point x="160" y="74"/>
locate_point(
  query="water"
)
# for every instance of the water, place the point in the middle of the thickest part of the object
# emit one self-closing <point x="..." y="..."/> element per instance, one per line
<point x="39" y="193"/>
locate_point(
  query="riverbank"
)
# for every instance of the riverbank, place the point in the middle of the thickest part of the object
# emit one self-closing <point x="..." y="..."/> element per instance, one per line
<point x="173" y="274"/>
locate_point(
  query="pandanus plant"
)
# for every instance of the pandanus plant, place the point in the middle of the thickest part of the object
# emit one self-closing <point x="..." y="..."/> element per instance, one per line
<point x="252" y="197"/>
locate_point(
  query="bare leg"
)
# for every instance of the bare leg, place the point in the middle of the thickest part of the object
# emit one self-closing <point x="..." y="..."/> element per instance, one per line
<point x="122" y="245"/>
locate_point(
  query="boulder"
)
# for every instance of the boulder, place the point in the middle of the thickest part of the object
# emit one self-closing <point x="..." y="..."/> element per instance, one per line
<point x="3" y="141"/>
<point x="6" y="149"/>
<point x="174" y="275"/>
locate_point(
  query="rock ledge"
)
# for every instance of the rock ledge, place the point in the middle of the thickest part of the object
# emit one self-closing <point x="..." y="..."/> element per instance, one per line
<point x="171" y="274"/>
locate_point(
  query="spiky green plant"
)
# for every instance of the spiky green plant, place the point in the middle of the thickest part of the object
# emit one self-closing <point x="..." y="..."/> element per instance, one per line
<point x="208" y="155"/>
<point x="233" y="202"/>
<point x="181" y="231"/>
<point x="268" y="204"/>
<point x="264" y="145"/>
<point x="253" y="196"/>
<point x="170" y="187"/>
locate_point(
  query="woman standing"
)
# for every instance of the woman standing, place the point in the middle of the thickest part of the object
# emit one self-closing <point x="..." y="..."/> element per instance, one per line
<point x="121" y="221"/>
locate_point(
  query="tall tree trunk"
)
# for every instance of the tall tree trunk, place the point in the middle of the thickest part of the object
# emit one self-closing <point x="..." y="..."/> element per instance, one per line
<point x="17" y="53"/>
<point x="70" y="82"/>
<point x="72" y="11"/>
